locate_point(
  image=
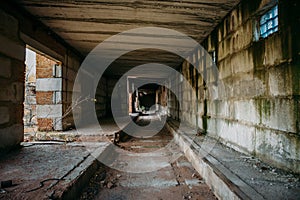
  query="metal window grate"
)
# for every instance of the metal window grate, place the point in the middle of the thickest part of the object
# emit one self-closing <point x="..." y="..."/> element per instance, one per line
<point x="269" y="22"/>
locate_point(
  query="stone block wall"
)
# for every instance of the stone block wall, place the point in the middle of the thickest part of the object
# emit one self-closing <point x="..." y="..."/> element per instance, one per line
<point x="12" y="57"/>
<point x="258" y="110"/>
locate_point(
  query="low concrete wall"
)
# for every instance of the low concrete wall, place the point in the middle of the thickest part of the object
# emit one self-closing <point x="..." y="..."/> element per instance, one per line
<point x="223" y="183"/>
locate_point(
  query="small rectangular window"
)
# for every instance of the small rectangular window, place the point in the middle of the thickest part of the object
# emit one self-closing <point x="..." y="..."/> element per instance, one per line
<point x="269" y="22"/>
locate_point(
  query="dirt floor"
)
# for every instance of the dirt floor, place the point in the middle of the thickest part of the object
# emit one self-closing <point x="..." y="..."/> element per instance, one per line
<point x="178" y="180"/>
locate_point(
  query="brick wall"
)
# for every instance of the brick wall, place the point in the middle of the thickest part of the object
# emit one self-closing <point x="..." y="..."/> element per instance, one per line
<point x="48" y="93"/>
<point x="44" y="66"/>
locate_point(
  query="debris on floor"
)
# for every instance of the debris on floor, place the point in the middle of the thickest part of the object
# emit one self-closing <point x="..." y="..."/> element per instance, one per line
<point x="178" y="180"/>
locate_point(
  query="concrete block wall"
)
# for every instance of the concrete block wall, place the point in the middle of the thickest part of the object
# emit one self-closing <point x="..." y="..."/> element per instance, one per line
<point x="17" y="30"/>
<point x="162" y="100"/>
<point x="173" y="103"/>
<point x="70" y="67"/>
<point x="110" y="84"/>
<point x="259" y="112"/>
<point x="121" y="98"/>
<point x="101" y="98"/>
<point x="193" y="90"/>
<point x="12" y="57"/>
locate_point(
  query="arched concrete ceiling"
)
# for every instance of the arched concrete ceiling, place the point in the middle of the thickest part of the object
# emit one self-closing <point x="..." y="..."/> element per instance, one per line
<point x="85" y="23"/>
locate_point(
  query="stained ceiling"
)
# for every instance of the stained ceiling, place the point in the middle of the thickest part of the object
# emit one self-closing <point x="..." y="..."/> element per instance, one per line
<point x="86" y="23"/>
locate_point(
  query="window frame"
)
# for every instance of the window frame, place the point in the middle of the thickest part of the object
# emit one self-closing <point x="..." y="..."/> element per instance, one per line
<point x="269" y="20"/>
<point x="256" y="19"/>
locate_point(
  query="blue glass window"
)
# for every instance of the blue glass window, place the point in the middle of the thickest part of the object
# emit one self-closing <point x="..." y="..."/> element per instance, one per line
<point x="269" y="22"/>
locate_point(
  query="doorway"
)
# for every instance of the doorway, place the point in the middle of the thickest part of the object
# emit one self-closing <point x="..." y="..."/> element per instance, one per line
<point x="43" y="94"/>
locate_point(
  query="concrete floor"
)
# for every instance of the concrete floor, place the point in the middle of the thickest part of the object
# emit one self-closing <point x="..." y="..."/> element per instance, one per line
<point x="175" y="180"/>
<point x="53" y="169"/>
<point x="178" y="181"/>
<point x="59" y="166"/>
<point x="43" y="170"/>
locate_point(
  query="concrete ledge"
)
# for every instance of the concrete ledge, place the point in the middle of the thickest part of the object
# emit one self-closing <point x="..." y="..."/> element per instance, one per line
<point x="81" y="175"/>
<point x="232" y="174"/>
<point x="224" y="183"/>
